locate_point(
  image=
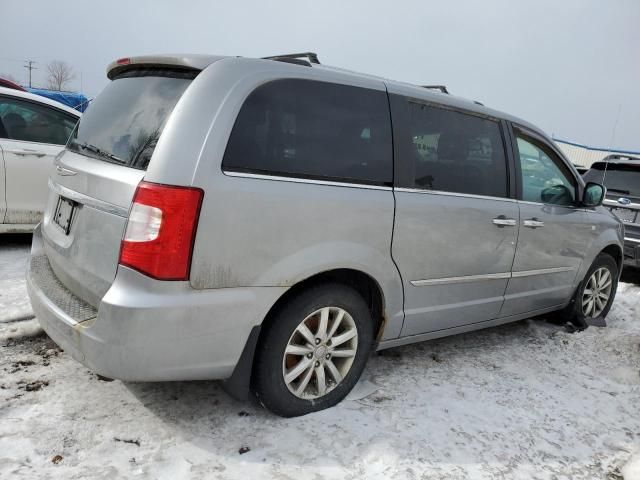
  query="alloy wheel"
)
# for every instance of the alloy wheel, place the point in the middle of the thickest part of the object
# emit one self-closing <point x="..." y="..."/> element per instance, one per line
<point x="320" y="353"/>
<point x="597" y="292"/>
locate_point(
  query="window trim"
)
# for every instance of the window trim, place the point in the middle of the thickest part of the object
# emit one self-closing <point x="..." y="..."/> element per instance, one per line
<point x="43" y="105"/>
<point x="256" y="172"/>
<point x="444" y="106"/>
<point x="310" y="181"/>
<point x="511" y="159"/>
<point x="453" y="194"/>
<point x="404" y="179"/>
<point x="310" y="178"/>
<point x="536" y="138"/>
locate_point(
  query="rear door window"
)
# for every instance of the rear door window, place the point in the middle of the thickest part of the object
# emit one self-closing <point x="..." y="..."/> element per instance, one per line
<point x="310" y="129"/>
<point x="456" y="152"/>
<point x="32" y="122"/>
<point x="123" y="124"/>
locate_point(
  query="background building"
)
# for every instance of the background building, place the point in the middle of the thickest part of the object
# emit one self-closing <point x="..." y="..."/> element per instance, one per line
<point x="584" y="155"/>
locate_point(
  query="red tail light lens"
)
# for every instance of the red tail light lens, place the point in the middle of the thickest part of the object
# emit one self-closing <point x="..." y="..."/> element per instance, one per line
<point x="161" y="230"/>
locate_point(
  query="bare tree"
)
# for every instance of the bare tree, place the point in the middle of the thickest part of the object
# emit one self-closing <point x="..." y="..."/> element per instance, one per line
<point x="59" y="74"/>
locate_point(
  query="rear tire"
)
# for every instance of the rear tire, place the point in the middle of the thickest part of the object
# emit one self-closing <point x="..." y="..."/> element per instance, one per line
<point x="594" y="297"/>
<point x="300" y="367"/>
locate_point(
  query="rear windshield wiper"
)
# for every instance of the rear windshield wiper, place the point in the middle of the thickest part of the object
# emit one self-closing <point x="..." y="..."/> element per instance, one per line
<point x="102" y="153"/>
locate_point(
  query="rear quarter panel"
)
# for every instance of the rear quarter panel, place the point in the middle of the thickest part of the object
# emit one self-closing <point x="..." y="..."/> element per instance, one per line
<point x="274" y="233"/>
<point x="267" y="232"/>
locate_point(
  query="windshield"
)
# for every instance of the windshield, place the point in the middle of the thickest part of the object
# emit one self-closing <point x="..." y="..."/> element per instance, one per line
<point x="619" y="180"/>
<point x="123" y="124"/>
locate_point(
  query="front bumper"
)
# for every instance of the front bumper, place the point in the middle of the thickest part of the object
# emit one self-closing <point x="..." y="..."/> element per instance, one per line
<point x="145" y="329"/>
<point x="632" y="252"/>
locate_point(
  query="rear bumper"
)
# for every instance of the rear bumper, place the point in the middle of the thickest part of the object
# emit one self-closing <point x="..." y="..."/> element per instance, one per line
<point x="632" y="252"/>
<point x="16" y="227"/>
<point x="148" y="330"/>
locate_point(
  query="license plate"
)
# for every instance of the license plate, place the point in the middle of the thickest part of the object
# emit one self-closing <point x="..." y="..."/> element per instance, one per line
<point x="624" y="214"/>
<point x="64" y="214"/>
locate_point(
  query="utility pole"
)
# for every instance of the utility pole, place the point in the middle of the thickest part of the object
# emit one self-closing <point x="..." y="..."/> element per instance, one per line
<point x="30" y="67"/>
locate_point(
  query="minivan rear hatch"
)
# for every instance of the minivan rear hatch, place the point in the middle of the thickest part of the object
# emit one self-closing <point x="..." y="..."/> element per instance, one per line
<point x="97" y="175"/>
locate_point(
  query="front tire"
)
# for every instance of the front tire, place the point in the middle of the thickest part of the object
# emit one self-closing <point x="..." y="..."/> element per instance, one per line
<point x="313" y="351"/>
<point x="596" y="293"/>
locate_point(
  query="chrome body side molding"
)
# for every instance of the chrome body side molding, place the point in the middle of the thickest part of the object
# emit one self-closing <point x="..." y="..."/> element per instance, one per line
<point x="489" y="276"/>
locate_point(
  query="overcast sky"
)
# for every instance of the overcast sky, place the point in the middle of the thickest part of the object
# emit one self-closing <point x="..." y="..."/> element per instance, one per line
<point x="570" y="66"/>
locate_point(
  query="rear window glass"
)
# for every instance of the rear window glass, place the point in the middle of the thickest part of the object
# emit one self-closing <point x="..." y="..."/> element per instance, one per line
<point x="619" y="179"/>
<point x="123" y="124"/>
<point x="310" y="129"/>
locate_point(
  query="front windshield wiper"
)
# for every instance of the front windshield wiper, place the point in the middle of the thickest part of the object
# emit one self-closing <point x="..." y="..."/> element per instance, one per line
<point x="102" y="153"/>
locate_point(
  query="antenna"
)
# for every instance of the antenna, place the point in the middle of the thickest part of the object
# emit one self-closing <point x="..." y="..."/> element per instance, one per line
<point x="613" y="136"/>
<point x="30" y="67"/>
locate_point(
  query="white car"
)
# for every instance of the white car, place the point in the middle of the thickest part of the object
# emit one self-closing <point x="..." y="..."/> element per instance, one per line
<point x="33" y="130"/>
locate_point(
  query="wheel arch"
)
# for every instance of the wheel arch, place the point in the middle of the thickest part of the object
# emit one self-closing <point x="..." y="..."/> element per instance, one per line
<point x="571" y="311"/>
<point x="239" y="384"/>
<point x="616" y="252"/>
<point x="362" y="282"/>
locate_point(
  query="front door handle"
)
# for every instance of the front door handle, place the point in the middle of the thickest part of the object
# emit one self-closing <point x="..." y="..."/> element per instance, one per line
<point x="502" y="221"/>
<point x="533" y="223"/>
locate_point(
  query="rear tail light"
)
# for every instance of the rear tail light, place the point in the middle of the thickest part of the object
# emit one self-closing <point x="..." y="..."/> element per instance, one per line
<point x="161" y="229"/>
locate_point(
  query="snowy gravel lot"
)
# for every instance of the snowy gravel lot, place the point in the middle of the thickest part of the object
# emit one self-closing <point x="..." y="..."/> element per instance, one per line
<point x="526" y="400"/>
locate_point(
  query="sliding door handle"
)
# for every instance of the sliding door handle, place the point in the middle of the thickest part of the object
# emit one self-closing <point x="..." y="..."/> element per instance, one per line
<point x="533" y="223"/>
<point x="502" y="221"/>
<point x="26" y="152"/>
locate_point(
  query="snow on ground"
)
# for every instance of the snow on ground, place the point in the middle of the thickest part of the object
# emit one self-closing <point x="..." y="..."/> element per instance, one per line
<point x="526" y="400"/>
<point x="14" y="253"/>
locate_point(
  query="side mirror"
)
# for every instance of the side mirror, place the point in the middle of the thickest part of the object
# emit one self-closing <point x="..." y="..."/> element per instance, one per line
<point x="556" y="195"/>
<point x="593" y="195"/>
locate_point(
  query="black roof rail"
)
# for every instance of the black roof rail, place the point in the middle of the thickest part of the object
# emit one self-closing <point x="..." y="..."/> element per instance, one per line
<point x="618" y="156"/>
<point x="442" y="88"/>
<point x="297" y="58"/>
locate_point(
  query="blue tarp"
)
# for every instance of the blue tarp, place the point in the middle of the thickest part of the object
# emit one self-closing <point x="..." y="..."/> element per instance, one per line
<point x="71" y="99"/>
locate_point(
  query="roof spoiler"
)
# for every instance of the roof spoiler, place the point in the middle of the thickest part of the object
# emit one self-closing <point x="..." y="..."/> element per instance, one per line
<point x="176" y="62"/>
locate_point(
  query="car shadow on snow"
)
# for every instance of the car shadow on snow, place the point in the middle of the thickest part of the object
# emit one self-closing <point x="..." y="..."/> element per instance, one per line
<point x="630" y="275"/>
<point x="15" y="240"/>
<point x="430" y="385"/>
<point x="195" y="399"/>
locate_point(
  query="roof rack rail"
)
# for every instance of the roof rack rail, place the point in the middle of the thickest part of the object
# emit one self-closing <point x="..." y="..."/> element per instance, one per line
<point x="442" y="88"/>
<point x="297" y="58"/>
<point x="618" y="156"/>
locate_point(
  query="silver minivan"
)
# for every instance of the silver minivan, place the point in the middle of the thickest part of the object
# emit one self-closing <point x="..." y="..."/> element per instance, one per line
<point x="271" y="222"/>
